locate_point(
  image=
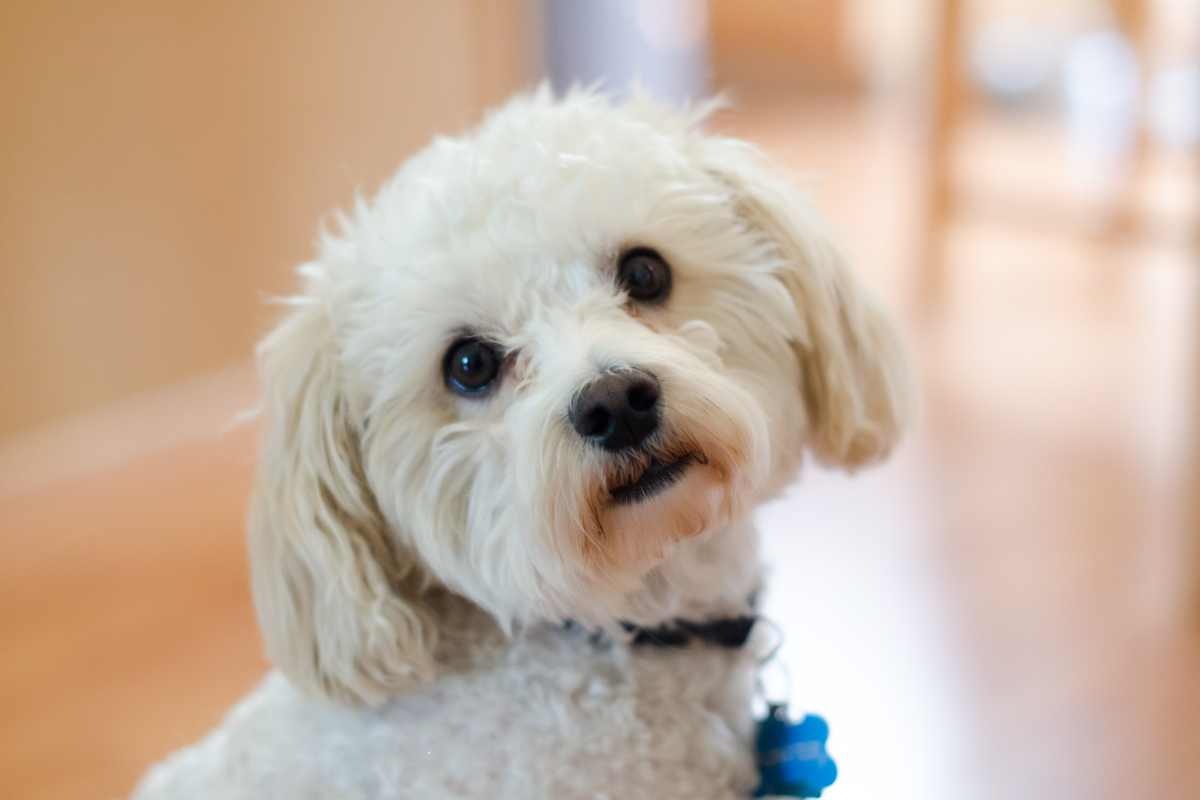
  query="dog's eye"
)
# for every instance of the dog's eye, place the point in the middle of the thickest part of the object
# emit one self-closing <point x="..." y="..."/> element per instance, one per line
<point x="645" y="275"/>
<point x="470" y="367"/>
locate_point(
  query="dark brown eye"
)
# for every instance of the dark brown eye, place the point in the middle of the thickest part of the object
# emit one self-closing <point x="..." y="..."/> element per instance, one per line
<point x="645" y="275"/>
<point x="470" y="367"/>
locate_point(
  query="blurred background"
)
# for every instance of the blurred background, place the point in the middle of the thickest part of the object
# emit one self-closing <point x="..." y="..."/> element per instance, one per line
<point x="1009" y="608"/>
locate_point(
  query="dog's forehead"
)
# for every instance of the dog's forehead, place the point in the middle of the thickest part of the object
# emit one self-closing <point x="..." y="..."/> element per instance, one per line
<point x="535" y="199"/>
<point x="564" y="177"/>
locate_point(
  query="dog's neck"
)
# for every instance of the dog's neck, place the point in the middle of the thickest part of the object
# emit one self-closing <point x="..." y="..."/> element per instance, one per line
<point x="713" y="576"/>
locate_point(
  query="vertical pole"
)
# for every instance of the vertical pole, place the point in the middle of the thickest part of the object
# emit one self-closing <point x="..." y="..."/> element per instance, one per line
<point x="947" y="110"/>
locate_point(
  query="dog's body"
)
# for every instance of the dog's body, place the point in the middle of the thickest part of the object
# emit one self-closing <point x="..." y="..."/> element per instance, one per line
<point x="544" y="376"/>
<point x="554" y="712"/>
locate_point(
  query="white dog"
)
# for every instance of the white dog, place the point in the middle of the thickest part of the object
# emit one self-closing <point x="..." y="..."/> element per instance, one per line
<point x="518" y="421"/>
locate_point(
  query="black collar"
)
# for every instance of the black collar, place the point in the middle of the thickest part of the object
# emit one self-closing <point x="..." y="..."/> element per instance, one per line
<point x="730" y="632"/>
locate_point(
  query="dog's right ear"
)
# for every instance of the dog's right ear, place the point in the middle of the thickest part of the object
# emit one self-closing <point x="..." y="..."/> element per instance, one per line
<point x="329" y="586"/>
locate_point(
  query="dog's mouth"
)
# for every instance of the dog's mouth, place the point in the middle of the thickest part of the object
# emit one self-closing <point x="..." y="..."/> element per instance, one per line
<point x="657" y="477"/>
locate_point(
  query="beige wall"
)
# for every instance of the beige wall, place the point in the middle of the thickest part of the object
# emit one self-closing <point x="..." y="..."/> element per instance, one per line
<point x="782" y="44"/>
<point x="166" y="164"/>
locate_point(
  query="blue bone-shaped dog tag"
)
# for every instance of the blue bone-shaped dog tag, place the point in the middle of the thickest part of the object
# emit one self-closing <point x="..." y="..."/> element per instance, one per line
<point x="792" y="761"/>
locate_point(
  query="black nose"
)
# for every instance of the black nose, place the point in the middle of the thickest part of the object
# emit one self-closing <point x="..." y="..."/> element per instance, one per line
<point x="617" y="411"/>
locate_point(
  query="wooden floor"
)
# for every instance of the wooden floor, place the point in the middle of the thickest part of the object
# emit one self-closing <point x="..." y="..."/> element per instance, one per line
<point x="1000" y="612"/>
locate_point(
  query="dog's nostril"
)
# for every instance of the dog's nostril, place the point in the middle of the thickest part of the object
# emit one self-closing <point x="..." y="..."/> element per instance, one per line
<point x="595" y="422"/>
<point x="642" y="396"/>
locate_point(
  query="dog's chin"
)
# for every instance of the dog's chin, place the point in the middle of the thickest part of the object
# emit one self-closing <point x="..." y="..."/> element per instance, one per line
<point x="646" y="510"/>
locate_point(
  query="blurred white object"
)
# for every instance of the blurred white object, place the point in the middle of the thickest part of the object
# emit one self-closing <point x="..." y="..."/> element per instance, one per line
<point x="660" y="44"/>
<point x="1174" y="106"/>
<point x="1101" y="91"/>
<point x="1014" y="59"/>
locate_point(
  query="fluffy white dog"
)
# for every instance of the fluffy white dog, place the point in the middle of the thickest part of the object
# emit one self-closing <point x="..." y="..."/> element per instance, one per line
<point x="518" y="421"/>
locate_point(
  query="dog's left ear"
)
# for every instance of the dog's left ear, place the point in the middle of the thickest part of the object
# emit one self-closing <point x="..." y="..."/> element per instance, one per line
<point x="854" y="374"/>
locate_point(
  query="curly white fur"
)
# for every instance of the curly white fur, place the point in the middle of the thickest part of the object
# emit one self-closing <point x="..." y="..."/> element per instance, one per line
<point x="415" y="552"/>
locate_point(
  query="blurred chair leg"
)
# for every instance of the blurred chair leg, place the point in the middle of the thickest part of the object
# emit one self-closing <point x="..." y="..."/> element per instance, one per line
<point x="945" y="119"/>
<point x="1132" y="18"/>
<point x="1191" y="480"/>
<point x="1193" y="487"/>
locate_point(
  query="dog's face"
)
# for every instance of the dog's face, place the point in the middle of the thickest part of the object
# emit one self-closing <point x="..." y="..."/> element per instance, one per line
<point x="540" y="358"/>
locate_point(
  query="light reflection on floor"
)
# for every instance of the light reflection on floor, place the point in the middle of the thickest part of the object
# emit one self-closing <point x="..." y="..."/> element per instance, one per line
<point x="865" y="642"/>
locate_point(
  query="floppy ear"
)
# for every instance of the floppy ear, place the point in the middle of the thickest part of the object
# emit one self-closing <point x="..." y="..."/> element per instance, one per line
<point x="329" y="585"/>
<point x="853" y="369"/>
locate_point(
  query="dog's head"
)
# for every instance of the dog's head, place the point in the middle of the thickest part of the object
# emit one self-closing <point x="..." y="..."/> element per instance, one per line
<point x="542" y="356"/>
